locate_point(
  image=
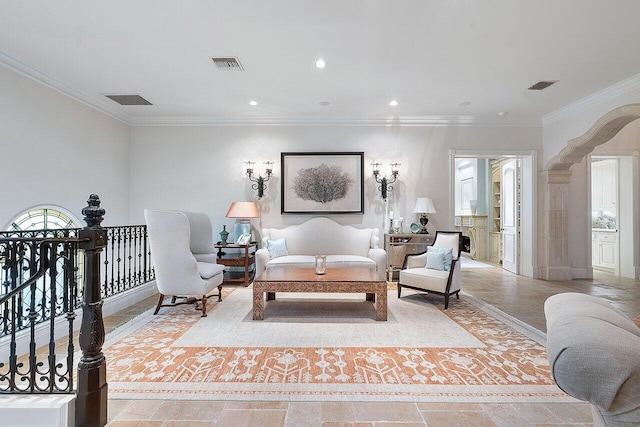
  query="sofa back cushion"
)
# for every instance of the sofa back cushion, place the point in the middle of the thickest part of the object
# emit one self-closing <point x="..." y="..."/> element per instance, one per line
<point x="323" y="236"/>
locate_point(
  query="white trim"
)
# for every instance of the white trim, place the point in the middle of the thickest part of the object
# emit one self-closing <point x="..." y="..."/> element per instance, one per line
<point x="61" y="327"/>
<point x="335" y="121"/>
<point x="57" y="410"/>
<point x="613" y="91"/>
<point x="25" y="70"/>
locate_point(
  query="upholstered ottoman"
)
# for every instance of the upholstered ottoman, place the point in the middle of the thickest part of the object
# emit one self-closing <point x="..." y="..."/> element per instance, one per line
<point x="594" y="354"/>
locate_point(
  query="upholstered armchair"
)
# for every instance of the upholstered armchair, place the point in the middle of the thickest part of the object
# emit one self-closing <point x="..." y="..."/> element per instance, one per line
<point x="178" y="271"/>
<point x="436" y="270"/>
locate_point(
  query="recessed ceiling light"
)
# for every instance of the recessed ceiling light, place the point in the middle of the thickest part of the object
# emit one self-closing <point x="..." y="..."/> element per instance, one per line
<point x="464" y="104"/>
<point x="393" y="102"/>
<point x="503" y="113"/>
<point x="324" y="103"/>
<point x="320" y="63"/>
<point x="253" y="103"/>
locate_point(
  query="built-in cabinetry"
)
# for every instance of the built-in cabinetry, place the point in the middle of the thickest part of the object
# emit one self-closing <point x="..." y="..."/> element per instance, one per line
<point x="604" y="214"/>
<point x="495" y="235"/>
<point x="604" y="249"/>
<point x="474" y="227"/>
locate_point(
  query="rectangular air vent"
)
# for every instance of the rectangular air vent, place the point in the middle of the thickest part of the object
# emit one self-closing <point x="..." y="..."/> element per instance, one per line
<point x="129" y="99"/>
<point x="228" y="63"/>
<point x="543" y="85"/>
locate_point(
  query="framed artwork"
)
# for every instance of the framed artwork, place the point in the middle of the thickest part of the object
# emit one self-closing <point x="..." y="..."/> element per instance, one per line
<point x="322" y="183"/>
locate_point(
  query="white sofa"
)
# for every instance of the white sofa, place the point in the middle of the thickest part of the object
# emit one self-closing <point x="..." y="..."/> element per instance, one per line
<point x="344" y="246"/>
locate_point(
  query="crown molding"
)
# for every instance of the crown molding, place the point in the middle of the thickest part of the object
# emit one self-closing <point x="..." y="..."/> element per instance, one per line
<point x="27" y="71"/>
<point x="112" y="111"/>
<point x="625" y="86"/>
<point x="334" y="121"/>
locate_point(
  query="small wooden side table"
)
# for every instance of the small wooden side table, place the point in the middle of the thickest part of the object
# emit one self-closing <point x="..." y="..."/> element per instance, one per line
<point x="241" y="259"/>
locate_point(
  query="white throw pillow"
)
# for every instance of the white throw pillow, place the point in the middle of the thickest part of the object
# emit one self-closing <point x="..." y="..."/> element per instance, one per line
<point x="447" y="255"/>
<point x="435" y="261"/>
<point x="277" y="248"/>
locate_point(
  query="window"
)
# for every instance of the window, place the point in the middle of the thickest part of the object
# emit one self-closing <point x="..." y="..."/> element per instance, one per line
<point x="42" y="218"/>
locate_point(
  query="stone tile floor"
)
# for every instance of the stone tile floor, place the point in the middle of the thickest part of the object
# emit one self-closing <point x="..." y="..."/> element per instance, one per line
<point x="518" y="296"/>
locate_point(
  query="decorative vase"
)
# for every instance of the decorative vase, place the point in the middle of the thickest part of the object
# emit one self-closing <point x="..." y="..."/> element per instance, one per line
<point x="474" y="206"/>
<point x="321" y="264"/>
<point x="223" y="235"/>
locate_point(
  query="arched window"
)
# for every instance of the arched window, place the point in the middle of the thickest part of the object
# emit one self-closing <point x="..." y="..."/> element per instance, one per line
<point x="43" y="218"/>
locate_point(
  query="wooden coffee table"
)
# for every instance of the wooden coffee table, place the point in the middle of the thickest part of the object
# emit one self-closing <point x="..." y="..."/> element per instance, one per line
<point x="341" y="280"/>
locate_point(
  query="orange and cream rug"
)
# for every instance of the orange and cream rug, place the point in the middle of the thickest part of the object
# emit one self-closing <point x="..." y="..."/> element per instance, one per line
<point x="329" y="347"/>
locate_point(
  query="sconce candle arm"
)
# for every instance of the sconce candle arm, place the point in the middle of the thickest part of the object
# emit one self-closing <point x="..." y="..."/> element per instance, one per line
<point x="259" y="181"/>
<point x="385" y="186"/>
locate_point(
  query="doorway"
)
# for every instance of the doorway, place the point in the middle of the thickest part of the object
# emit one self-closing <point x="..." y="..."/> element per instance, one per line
<point x="613" y="226"/>
<point x="493" y="203"/>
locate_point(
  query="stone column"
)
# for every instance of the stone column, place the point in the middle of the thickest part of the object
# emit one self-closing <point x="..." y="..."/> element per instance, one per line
<point x="554" y="242"/>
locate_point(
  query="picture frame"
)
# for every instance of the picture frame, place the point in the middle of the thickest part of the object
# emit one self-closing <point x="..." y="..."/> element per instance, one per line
<point x="243" y="239"/>
<point x="322" y="183"/>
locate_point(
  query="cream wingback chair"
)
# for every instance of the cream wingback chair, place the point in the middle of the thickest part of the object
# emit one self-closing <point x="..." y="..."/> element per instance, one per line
<point x="430" y="271"/>
<point x="178" y="272"/>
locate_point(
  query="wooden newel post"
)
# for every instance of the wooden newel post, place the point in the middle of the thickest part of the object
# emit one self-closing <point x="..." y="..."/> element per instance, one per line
<point x="91" y="398"/>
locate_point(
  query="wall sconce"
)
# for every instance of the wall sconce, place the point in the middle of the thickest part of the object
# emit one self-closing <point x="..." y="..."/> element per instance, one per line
<point x="385" y="184"/>
<point x="259" y="181"/>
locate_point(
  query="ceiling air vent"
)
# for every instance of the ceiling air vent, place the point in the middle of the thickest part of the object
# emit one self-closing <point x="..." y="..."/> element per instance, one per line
<point x="543" y="85"/>
<point x="228" y="63"/>
<point x="129" y="99"/>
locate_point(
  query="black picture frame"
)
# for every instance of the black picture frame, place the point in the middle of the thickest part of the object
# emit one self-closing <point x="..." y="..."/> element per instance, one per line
<point x="322" y="183"/>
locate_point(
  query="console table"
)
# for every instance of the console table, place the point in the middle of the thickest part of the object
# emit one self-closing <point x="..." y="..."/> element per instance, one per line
<point x="241" y="259"/>
<point x="398" y="245"/>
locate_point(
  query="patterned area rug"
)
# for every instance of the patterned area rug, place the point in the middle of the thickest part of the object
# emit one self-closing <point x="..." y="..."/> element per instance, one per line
<point x="462" y="354"/>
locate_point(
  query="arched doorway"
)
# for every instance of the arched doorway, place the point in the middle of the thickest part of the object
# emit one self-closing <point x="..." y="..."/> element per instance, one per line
<point x="554" y="237"/>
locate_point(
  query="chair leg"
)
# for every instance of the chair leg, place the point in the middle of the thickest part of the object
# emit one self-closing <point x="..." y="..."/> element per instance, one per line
<point x="160" y="299"/>
<point x="173" y="299"/>
<point x="204" y="306"/>
<point x="399" y="289"/>
<point x="458" y="295"/>
<point x="446" y="301"/>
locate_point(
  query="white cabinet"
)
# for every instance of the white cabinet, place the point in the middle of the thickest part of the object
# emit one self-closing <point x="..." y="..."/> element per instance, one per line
<point x="604" y="185"/>
<point x="604" y="250"/>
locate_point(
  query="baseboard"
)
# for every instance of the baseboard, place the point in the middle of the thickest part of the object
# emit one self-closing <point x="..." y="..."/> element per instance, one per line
<point x="61" y="326"/>
<point x="582" y="273"/>
<point x="38" y="410"/>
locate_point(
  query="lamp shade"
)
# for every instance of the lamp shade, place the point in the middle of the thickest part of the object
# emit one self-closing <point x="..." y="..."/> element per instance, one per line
<point x="243" y="210"/>
<point x="424" y="205"/>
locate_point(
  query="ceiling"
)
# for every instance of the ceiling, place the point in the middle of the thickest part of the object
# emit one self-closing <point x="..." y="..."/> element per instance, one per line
<point x="429" y="55"/>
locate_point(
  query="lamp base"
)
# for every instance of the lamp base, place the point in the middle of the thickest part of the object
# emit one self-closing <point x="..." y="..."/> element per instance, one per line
<point x="423" y="224"/>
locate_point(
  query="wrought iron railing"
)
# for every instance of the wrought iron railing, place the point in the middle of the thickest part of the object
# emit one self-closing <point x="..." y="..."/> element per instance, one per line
<point x="45" y="276"/>
<point x="36" y="300"/>
<point x="126" y="262"/>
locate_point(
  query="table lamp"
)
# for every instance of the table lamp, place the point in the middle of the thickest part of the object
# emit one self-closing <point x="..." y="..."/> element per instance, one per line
<point x="242" y="211"/>
<point x="424" y="206"/>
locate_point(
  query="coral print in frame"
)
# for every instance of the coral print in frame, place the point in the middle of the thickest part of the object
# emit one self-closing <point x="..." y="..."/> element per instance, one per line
<point x="322" y="183"/>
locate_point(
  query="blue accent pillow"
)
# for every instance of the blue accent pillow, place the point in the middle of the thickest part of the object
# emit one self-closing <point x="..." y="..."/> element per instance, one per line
<point x="447" y="252"/>
<point x="277" y="248"/>
<point x="435" y="261"/>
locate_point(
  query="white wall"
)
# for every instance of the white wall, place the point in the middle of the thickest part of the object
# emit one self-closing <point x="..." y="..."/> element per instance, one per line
<point x="57" y="151"/>
<point x="201" y="167"/>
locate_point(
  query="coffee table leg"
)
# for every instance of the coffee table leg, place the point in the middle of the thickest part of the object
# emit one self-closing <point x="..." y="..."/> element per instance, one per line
<point x="381" y="306"/>
<point x="271" y="296"/>
<point x="371" y="296"/>
<point x="258" y="303"/>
